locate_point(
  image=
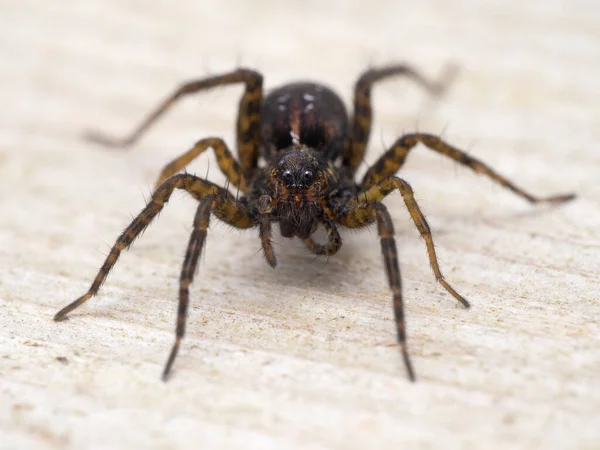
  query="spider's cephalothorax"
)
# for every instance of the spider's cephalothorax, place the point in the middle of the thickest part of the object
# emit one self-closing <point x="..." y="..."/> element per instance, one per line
<point x="295" y="187"/>
<point x="310" y="153"/>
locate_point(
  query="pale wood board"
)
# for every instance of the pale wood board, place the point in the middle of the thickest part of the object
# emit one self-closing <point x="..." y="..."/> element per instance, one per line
<point x="302" y="356"/>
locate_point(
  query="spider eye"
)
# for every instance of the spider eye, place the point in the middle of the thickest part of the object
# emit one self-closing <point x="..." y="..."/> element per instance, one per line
<point x="307" y="176"/>
<point x="287" y="177"/>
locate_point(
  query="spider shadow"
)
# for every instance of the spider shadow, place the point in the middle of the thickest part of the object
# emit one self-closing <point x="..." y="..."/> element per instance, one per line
<point x="302" y="270"/>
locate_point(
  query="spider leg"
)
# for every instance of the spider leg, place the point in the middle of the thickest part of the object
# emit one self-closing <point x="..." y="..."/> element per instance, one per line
<point x="194" y="249"/>
<point x="248" y="120"/>
<point x="394" y="158"/>
<point x="379" y="191"/>
<point x="334" y="241"/>
<point x="360" y="127"/>
<point x="264" y="231"/>
<point x="226" y="209"/>
<point x="227" y="163"/>
<point x="265" y="206"/>
<point x="363" y="214"/>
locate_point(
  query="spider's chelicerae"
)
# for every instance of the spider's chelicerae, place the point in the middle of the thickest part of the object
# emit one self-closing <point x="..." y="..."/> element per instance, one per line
<point x="311" y="151"/>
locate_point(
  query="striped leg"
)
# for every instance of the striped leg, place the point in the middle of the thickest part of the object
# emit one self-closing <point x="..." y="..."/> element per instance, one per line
<point x="368" y="209"/>
<point x="190" y="263"/>
<point x="226" y="161"/>
<point x="394" y="158"/>
<point x="248" y="121"/>
<point x="385" y="229"/>
<point x="360" y="127"/>
<point x="362" y="215"/>
<point x="226" y="209"/>
<point x="334" y="241"/>
<point x="266" y="241"/>
<point x="376" y="193"/>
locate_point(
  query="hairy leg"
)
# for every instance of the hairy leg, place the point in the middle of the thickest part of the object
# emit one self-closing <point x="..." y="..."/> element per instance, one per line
<point x="248" y="120"/>
<point x="358" y="214"/>
<point x="266" y="241"/>
<point x="227" y="163"/>
<point x="360" y="128"/>
<point x="334" y="241"/>
<point x="363" y="215"/>
<point x="226" y="209"/>
<point x="394" y="158"/>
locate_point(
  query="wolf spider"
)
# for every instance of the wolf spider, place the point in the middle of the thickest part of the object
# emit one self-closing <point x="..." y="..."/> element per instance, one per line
<point x="311" y="152"/>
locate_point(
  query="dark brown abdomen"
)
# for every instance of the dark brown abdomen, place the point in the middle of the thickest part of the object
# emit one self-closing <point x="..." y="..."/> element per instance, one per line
<point x="310" y="111"/>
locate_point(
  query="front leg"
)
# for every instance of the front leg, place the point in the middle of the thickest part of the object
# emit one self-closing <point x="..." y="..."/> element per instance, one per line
<point x="230" y="212"/>
<point x="190" y="264"/>
<point x="377" y="193"/>
<point x="365" y="210"/>
<point x="363" y="215"/>
<point x="227" y="209"/>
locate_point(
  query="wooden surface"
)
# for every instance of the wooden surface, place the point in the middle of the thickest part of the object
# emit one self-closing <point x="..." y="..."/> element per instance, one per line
<point x="302" y="356"/>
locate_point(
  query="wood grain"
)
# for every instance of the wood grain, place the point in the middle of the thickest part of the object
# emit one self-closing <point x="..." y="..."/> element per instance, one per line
<point x="302" y="356"/>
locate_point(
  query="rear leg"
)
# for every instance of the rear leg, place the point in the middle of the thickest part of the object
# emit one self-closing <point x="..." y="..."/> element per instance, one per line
<point x="248" y="120"/>
<point x="360" y="128"/>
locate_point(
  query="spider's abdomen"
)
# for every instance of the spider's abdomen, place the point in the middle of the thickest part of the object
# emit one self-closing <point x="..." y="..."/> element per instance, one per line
<point x="312" y="112"/>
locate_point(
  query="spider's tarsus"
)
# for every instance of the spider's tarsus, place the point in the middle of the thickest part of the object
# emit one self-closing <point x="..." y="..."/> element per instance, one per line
<point x="172" y="355"/>
<point x="409" y="369"/>
<point x="62" y="314"/>
<point x="463" y="301"/>
<point x="561" y="198"/>
<point x="454" y="294"/>
<point x="59" y="317"/>
<point x="554" y="199"/>
<point x="106" y="141"/>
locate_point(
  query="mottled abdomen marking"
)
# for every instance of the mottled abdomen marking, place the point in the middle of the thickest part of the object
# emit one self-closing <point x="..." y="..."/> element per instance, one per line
<point x="310" y="111"/>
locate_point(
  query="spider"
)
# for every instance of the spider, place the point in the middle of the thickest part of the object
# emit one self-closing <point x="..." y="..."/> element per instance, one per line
<point x="309" y="151"/>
